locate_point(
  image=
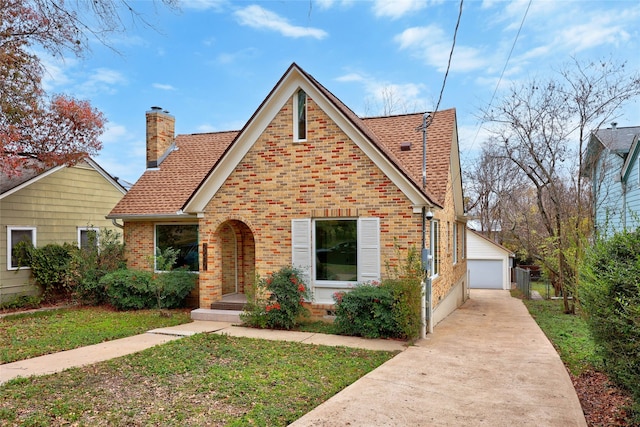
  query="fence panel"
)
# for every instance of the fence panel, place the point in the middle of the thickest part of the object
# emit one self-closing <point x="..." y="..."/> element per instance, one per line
<point x="523" y="281"/>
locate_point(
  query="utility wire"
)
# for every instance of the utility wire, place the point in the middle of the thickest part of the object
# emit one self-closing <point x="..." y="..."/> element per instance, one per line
<point x="515" y="40"/>
<point x="453" y="45"/>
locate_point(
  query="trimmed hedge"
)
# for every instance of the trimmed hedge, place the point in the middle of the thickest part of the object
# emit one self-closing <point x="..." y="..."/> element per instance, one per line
<point x="137" y="289"/>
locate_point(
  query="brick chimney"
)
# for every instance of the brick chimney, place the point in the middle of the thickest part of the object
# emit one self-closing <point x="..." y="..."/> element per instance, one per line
<point x="160" y="135"/>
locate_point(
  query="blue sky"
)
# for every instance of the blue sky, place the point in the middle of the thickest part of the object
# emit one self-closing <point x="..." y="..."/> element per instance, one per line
<point x="212" y="63"/>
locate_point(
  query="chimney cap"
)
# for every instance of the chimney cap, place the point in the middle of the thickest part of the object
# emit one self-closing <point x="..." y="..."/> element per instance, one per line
<point x="156" y="108"/>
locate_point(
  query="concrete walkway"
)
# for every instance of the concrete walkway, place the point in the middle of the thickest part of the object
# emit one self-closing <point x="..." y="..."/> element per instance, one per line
<point x="487" y="364"/>
<point x="58" y="362"/>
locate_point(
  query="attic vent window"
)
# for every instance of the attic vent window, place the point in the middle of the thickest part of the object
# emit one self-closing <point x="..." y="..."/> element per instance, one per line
<point x="405" y="146"/>
<point x="300" y="116"/>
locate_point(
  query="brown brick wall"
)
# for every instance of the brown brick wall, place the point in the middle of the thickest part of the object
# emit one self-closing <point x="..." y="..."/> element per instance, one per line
<point x="279" y="180"/>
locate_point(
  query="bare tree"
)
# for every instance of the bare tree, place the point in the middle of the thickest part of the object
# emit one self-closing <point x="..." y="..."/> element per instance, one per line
<point x="493" y="184"/>
<point x="541" y="126"/>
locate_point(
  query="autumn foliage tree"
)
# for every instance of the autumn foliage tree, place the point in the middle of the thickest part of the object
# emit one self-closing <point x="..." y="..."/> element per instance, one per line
<point x="40" y="130"/>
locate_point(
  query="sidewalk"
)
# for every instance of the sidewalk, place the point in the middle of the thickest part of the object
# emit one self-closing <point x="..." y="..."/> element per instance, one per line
<point x="58" y="362"/>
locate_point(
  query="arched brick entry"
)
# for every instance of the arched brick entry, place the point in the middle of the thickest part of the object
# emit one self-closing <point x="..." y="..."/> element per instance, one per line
<point x="237" y="256"/>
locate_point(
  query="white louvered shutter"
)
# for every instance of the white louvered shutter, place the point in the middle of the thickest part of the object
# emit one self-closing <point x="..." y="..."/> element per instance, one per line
<point x="368" y="249"/>
<point x="301" y="247"/>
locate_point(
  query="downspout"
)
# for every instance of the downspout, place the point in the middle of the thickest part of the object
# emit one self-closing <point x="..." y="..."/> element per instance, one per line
<point x="120" y="226"/>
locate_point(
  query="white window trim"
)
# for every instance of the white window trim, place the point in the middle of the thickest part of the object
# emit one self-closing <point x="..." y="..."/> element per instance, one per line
<point x="455" y="243"/>
<point x="9" y="243"/>
<point x="81" y="229"/>
<point x="295" y="117"/>
<point x="303" y="246"/>
<point x="435" y="230"/>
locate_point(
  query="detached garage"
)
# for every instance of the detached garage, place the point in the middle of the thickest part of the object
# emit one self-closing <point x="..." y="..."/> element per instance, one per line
<point x="488" y="263"/>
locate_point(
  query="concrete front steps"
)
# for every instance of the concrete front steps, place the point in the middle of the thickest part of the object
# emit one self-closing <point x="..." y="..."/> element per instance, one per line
<point x="226" y="310"/>
<point x="216" y="315"/>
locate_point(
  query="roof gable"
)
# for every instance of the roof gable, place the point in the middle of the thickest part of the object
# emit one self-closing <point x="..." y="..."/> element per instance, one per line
<point x="28" y="176"/>
<point x="354" y="127"/>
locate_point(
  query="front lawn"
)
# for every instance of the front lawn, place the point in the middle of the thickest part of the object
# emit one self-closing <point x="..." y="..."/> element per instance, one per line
<point x="206" y="379"/>
<point x="23" y="336"/>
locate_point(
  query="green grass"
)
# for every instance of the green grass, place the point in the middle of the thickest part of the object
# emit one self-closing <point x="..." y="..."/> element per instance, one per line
<point x="569" y="334"/>
<point x="23" y="336"/>
<point x="206" y="379"/>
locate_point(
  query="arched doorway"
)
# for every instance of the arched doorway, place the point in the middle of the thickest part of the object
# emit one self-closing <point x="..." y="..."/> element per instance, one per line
<point x="237" y="256"/>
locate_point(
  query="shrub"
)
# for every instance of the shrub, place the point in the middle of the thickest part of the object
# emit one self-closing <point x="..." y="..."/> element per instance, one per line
<point x="366" y="311"/>
<point x="283" y="307"/>
<point x="49" y="265"/>
<point x="610" y="298"/>
<point x="129" y="289"/>
<point x="137" y="289"/>
<point x="89" y="264"/>
<point x="172" y="287"/>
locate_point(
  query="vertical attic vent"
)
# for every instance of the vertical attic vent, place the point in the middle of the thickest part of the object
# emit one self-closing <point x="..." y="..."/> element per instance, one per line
<point x="405" y="146"/>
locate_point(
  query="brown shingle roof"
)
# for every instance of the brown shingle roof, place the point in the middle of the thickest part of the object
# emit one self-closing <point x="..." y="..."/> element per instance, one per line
<point x="164" y="191"/>
<point x="392" y="131"/>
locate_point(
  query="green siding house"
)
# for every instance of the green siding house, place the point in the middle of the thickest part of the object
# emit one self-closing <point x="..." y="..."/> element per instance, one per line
<point x="58" y="205"/>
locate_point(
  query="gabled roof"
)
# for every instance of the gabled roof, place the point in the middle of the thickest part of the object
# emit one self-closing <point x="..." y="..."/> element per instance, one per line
<point x="163" y="191"/>
<point x="486" y="239"/>
<point x="617" y="140"/>
<point x="189" y="177"/>
<point x="31" y="174"/>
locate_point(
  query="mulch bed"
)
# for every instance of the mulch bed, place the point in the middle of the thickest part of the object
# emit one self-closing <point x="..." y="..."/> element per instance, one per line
<point x="603" y="403"/>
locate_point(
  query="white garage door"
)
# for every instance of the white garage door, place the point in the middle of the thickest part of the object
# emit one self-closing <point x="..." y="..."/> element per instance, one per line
<point x="485" y="273"/>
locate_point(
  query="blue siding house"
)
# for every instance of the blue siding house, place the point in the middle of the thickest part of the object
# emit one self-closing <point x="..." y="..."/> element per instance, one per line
<point x="612" y="162"/>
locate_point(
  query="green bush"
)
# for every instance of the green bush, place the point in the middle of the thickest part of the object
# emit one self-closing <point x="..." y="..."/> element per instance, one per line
<point x="89" y="264"/>
<point x="610" y="298"/>
<point x="137" y="289"/>
<point x="129" y="289"/>
<point x="283" y="306"/>
<point x="366" y="311"/>
<point x="171" y="288"/>
<point x="49" y="265"/>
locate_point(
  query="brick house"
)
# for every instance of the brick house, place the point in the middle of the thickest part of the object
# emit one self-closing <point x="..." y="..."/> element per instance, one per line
<point x="306" y="182"/>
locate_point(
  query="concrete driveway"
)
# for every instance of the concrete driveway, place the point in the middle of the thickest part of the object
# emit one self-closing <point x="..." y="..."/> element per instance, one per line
<point x="487" y="364"/>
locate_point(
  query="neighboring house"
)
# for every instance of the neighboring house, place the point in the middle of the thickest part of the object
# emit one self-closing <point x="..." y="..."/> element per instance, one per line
<point x="612" y="163"/>
<point x="59" y="205"/>
<point x="488" y="262"/>
<point x="307" y="183"/>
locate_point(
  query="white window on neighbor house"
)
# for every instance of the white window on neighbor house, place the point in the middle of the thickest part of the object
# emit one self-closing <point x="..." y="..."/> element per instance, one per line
<point x="435" y="248"/>
<point x="300" y="116"/>
<point x="15" y="235"/>
<point x="88" y="237"/>
<point x="183" y="238"/>
<point x="337" y="253"/>
<point x="463" y="241"/>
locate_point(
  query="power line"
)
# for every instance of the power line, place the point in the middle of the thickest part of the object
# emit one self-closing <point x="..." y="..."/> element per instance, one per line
<point x="453" y="45"/>
<point x="515" y="40"/>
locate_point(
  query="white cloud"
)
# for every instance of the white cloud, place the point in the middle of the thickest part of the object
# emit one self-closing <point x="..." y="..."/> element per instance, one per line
<point x="216" y="5"/>
<point x="163" y="86"/>
<point x="103" y="80"/>
<point x="255" y="16"/>
<point x="113" y="133"/>
<point x="397" y="8"/>
<point x="432" y="46"/>
<point x="228" y="58"/>
<point x="384" y="97"/>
